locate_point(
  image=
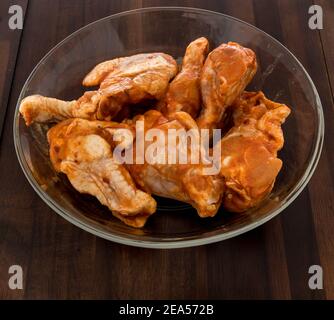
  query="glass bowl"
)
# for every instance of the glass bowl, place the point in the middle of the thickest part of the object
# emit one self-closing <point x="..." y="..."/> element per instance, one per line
<point x="175" y="224"/>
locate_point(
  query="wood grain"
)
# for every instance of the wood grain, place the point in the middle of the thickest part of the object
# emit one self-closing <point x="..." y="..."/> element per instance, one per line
<point x="9" y="45"/>
<point x="61" y="261"/>
<point x="322" y="184"/>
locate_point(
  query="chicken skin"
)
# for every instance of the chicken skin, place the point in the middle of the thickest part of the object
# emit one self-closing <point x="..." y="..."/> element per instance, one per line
<point x="161" y="152"/>
<point x="227" y="71"/>
<point x="81" y="149"/>
<point x="184" y="91"/>
<point x="249" y="163"/>
<point x="185" y="181"/>
<point x="122" y="81"/>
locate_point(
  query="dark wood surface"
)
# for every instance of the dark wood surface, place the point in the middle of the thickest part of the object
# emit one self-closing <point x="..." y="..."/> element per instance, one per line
<point x="61" y="261"/>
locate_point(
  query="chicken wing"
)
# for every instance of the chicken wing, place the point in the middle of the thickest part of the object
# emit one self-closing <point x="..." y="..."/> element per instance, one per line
<point x="226" y="72"/>
<point x="184" y="91"/>
<point x="183" y="181"/>
<point x="81" y="149"/>
<point x="122" y="81"/>
<point x="249" y="163"/>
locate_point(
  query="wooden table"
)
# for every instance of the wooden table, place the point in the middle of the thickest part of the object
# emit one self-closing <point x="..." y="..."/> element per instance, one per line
<point x="60" y="260"/>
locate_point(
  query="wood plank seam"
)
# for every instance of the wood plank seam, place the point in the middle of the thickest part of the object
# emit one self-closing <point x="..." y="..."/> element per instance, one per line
<point x="326" y="65"/>
<point x="12" y="77"/>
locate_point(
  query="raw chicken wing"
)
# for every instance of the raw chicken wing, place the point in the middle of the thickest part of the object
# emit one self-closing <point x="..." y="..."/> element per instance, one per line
<point x="249" y="163"/>
<point x="226" y="72"/>
<point x="122" y="81"/>
<point x="184" y="91"/>
<point x="81" y="149"/>
<point x="187" y="182"/>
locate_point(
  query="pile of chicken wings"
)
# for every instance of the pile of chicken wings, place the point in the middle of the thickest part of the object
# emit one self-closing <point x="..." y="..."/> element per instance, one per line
<point x="206" y="93"/>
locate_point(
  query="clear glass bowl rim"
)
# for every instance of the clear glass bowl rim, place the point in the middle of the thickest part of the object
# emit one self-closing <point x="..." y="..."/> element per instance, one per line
<point x="169" y="243"/>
